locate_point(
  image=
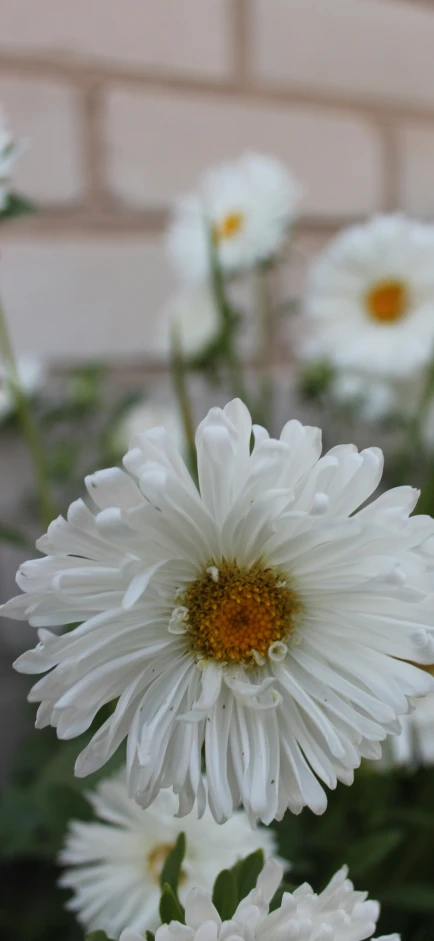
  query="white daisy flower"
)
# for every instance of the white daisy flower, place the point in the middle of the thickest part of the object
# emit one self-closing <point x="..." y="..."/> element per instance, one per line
<point x="339" y="913"/>
<point x="415" y="746"/>
<point x="370" y="298"/>
<point x="115" y="864"/>
<point x="10" y="151"/>
<point x="193" y="314"/>
<point x="148" y="414"/>
<point x="260" y="616"/>
<point x="31" y="374"/>
<point x="249" y="206"/>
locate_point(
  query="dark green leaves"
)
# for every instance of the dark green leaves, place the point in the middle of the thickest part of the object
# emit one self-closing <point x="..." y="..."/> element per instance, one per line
<point x="17" y="206"/>
<point x="170" y="906"/>
<point x="246" y="872"/>
<point x="171" y="870"/>
<point x="225" y="894"/>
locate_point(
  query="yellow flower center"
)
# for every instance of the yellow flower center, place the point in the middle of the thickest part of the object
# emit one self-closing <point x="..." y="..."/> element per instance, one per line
<point x="233" y="612"/>
<point x="157" y="857"/>
<point x="229" y="226"/>
<point x="387" y="301"/>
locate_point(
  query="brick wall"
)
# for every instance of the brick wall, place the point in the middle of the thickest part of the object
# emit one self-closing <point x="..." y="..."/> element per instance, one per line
<point x="124" y="102"/>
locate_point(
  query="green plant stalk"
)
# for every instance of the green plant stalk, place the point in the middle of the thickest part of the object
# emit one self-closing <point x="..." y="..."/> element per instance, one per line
<point x="235" y="369"/>
<point x="30" y="431"/>
<point x="179" y="378"/>
<point x="266" y="347"/>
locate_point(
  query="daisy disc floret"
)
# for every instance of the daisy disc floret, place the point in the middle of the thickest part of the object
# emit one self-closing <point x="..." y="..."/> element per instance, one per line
<point x="339" y="913"/>
<point x="113" y="864"/>
<point x="247" y="207"/>
<point x="370" y="298"/>
<point x="261" y="616"/>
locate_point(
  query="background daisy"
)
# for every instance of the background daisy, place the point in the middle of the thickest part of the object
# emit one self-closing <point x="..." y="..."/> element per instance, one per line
<point x="114" y="865"/>
<point x="248" y="206"/>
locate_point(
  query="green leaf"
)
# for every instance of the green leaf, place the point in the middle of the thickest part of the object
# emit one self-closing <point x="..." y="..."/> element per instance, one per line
<point x="225" y="894"/>
<point x="246" y="872"/>
<point x="372" y="850"/>
<point x="149" y="936"/>
<point x="170" y="906"/>
<point x="171" y="870"/>
<point x="17" y="206"/>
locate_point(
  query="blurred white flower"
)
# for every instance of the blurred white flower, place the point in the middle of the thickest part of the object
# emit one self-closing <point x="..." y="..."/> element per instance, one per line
<point x="193" y="314"/>
<point x="248" y="205"/>
<point x="31" y="373"/>
<point x="373" y="397"/>
<point x="10" y="151"/>
<point x="339" y="913"/>
<point x="370" y="299"/>
<point x="415" y="745"/>
<point x="115" y="863"/>
<point x="150" y="414"/>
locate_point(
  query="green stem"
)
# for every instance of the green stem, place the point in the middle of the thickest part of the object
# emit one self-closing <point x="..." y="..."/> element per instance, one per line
<point x="179" y="377"/>
<point x="28" y="426"/>
<point x="227" y="321"/>
<point x="266" y="348"/>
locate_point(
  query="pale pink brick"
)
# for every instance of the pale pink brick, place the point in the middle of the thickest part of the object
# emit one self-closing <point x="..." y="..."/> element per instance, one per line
<point x="85" y="297"/>
<point x="45" y="115"/>
<point x="416" y="169"/>
<point x="371" y="49"/>
<point x="158" y="144"/>
<point x="188" y="36"/>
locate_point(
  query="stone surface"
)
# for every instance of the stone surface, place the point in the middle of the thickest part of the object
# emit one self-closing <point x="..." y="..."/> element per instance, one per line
<point x="45" y="116"/>
<point x="188" y="36"/>
<point x="373" y="49"/>
<point x="158" y="144"/>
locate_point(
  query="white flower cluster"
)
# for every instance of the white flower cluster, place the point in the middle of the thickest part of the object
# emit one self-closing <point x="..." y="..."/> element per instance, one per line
<point x="339" y="913"/>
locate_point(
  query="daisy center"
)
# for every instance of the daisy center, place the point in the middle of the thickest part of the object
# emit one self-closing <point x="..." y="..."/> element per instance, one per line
<point x="157" y="857"/>
<point x="236" y="615"/>
<point x="229" y="226"/>
<point x="387" y="301"/>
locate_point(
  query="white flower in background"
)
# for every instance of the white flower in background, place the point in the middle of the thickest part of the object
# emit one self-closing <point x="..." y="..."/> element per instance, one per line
<point x="415" y="745"/>
<point x="149" y="414"/>
<point x="31" y="374"/>
<point x="115" y="863"/>
<point x="248" y="205"/>
<point x="194" y="316"/>
<point x="374" y="398"/>
<point x="339" y="913"/>
<point x="10" y="151"/>
<point x="370" y="299"/>
<point x="260" y="616"/>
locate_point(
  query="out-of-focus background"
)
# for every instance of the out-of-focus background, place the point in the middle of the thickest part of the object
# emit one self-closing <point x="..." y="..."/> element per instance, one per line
<point x="124" y="102"/>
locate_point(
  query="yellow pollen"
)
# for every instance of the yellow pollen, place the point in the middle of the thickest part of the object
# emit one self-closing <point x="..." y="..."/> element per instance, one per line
<point x="157" y="857"/>
<point x="387" y="301"/>
<point x="238" y="612"/>
<point x="230" y="225"/>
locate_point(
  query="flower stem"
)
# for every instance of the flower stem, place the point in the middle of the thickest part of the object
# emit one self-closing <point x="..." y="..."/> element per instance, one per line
<point x="266" y="347"/>
<point x="28" y="426"/>
<point x="179" y="376"/>
<point x="227" y="321"/>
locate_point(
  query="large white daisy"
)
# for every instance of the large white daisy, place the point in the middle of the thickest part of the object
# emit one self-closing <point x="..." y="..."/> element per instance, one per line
<point x="260" y="616"/>
<point x="10" y="151"/>
<point x="339" y="913"/>
<point x="114" y="865"/>
<point x="248" y="205"/>
<point x="370" y="298"/>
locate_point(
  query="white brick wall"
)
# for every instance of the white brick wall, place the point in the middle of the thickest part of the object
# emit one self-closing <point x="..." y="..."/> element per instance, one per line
<point x="187" y="36"/>
<point x="46" y="116"/>
<point x="158" y="144"/>
<point x="372" y="49"/>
